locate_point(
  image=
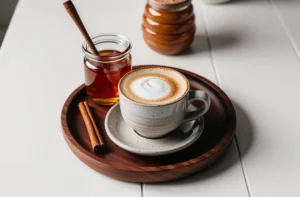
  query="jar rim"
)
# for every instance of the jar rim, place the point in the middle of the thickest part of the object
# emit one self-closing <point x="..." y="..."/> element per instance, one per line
<point x="168" y="6"/>
<point x="104" y="38"/>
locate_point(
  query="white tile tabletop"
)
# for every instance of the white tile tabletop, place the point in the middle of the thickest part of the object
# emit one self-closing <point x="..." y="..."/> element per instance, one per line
<point x="250" y="48"/>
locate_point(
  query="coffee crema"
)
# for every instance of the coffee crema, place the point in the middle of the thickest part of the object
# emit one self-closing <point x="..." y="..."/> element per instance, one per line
<point x="154" y="85"/>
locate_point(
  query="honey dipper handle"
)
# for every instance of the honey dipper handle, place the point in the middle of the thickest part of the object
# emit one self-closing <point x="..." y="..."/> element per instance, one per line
<point x="69" y="6"/>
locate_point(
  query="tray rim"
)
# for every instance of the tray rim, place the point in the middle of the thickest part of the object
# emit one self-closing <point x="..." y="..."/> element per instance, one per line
<point x="223" y="144"/>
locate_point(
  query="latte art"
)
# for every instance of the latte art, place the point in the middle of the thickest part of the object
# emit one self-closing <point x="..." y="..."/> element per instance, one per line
<point x="150" y="88"/>
<point x="154" y="86"/>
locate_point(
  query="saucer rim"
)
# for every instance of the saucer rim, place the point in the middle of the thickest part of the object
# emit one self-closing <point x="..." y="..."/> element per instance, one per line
<point x="131" y="149"/>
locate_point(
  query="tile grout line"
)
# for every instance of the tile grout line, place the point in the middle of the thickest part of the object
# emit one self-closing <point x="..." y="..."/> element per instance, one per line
<point x="219" y="84"/>
<point x="142" y="190"/>
<point x="242" y="165"/>
<point x="286" y="29"/>
<point x="215" y="69"/>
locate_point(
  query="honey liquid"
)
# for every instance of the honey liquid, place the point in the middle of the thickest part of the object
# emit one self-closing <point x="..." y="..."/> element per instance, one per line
<point x="102" y="79"/>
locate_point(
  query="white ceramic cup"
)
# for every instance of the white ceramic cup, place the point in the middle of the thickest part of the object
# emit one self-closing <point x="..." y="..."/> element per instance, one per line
<point x="157" y="120"/>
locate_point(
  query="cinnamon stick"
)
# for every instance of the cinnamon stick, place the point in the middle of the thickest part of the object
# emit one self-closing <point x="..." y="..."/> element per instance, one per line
<point x="69" y="6"/>
<point x="96" y="145"/>
<point x="101" y="142"/>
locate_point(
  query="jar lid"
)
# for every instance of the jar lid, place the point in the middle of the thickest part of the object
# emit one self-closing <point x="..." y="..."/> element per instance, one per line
<point x="168" y="5"/>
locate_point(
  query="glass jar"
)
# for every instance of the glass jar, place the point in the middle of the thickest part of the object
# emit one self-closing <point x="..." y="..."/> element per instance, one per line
<point x="103" y="72"/>
<point x="169" y="26"/>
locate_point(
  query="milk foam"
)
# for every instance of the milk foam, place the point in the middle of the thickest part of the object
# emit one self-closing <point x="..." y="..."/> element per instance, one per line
<point x="154" y="85"/>
<point x="150" y="88"/>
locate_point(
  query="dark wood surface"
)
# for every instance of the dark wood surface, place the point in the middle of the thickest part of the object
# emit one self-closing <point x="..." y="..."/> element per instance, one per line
<point x="220" y="123"/>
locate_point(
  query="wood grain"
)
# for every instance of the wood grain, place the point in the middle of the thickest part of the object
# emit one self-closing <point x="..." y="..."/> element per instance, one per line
<point x="220" y="123"/>
<point x="168" y="49"/>
<point x="169" y="29"/>
<point x="168" y="32"/>
<point x="168" y="39"/>
<point x="169" y="17"/>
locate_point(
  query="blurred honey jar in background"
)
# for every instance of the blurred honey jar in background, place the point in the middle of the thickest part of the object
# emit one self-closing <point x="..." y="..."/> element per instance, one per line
<point x="169" y="25"/>
<point x="103" y="72"/>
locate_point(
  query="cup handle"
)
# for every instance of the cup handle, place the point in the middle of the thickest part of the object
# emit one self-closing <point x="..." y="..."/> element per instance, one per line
<point x="193" y="96"/>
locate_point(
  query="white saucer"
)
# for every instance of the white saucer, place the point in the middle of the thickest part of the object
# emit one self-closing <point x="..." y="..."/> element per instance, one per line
<point x="125" y="137"/>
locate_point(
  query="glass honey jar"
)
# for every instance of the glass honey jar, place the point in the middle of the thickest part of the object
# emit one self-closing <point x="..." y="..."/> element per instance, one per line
<point x="103" y="72"/>
<point x="169" y="26"/>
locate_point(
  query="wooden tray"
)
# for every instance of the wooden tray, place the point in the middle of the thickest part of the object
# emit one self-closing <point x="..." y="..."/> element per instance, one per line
<point x="220" y="123"/>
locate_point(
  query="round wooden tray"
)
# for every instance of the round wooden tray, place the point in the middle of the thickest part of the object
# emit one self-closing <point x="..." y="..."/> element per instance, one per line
<point x="220" y="123"/>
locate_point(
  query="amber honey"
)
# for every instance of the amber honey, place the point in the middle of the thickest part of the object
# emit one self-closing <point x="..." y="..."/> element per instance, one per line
<point x="103" y="72"/>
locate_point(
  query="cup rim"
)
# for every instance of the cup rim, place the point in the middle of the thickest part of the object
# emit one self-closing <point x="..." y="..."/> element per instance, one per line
<point x="154" y="67"/>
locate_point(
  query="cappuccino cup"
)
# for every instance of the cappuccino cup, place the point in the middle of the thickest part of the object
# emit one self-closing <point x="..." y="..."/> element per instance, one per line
<point x="154" y="100"/>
